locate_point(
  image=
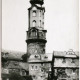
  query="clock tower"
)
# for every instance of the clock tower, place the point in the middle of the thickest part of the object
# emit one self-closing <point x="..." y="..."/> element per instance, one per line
<point x="36" y="34"/>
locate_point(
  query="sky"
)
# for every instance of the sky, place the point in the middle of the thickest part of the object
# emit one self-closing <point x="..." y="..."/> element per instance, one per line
<point x="61" y="23"/>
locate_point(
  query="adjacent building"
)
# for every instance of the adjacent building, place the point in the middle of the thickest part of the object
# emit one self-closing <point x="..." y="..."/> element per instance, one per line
<point x="65" y="65"/>
<point x="12" y="63"/>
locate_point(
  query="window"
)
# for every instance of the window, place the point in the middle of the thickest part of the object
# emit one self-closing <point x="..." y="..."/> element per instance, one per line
<point x="42" y="70"/>
<point x="43" y="23"/>
<point x="34" y="33"/>
<point x="23" y="73"/>
<point x="34" y="13"/>
<point x="64" y="60"/>
<point x="40" y="23"/>
<point x="34" y="23"/>
<point x="34" y="76"/>
<point x="40" y="13"/>
<point x="32" y="67"/>
<point x="36" y="67"/>
<point x="41" y="64"/>
<point x="73" y="61"/>
<point x="43" y="15"/>
<point x="74" y="70"/>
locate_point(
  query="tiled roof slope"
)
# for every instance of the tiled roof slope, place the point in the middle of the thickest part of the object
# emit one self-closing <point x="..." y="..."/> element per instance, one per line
<point x="13" y="54"/>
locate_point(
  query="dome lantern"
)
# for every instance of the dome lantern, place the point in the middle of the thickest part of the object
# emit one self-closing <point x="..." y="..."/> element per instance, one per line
<point x="41" y="2"/>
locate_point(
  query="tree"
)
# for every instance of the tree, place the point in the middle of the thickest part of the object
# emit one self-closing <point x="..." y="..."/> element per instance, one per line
<point x="16" y="76"/>
<point x="25" y="57"/>
<point x="28" y="77"/>
<point x="3" y="59"/>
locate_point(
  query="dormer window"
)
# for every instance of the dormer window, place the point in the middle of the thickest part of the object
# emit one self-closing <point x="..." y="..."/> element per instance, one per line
<point x="34" y="13"/>
<point x="34" y="23"/>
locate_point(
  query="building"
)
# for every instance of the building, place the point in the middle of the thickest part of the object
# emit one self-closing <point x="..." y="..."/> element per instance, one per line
<point x="12" y="63"/>
<point x="65" y="65"/>
<point x="62" y="63"/>
<point x="39" y="66"/>
<point x="61" y="66"/>
<point x="36" y="42"/>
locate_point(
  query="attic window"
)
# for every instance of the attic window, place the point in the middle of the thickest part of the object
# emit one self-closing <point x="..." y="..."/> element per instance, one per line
<point x="34" y="23"/>
<point x="34" y="13"/>
<point x="41" y="64"/>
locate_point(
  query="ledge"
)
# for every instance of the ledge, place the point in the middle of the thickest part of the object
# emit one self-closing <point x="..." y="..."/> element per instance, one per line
<point x="35" y="40"/>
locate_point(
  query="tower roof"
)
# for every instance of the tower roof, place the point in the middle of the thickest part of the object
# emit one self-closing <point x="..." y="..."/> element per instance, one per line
<point x="37" y="2"/>
<point x="41" y="8"/>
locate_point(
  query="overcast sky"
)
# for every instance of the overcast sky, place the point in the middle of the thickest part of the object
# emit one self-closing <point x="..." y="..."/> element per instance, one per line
<point x="61" y="22"/>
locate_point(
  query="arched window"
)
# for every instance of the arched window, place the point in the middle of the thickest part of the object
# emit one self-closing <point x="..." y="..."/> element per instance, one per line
<point x="43" y="15"/>
<point x="33" y="33"/>
<point x="40" y="13"/>
<point x="43" y="24"/>
<point x="34" y="13"/>
<point x="34" y="23"/>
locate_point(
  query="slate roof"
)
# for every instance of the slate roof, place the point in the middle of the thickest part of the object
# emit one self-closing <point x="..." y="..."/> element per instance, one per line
<point x="24" y="65"/>
<point x="15" y="60"/>
<point x="15" y="55"/>
<point x="18" y="65"/>
<point x="69" y="53"/>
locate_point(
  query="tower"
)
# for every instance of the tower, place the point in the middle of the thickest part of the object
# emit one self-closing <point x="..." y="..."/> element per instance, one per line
<point x="36" y="40"/>
<point x="36" y="35"/>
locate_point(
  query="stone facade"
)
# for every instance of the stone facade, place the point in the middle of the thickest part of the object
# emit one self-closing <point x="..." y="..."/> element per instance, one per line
<point x="39" y="66"/>
<point x="36" y="41"/>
